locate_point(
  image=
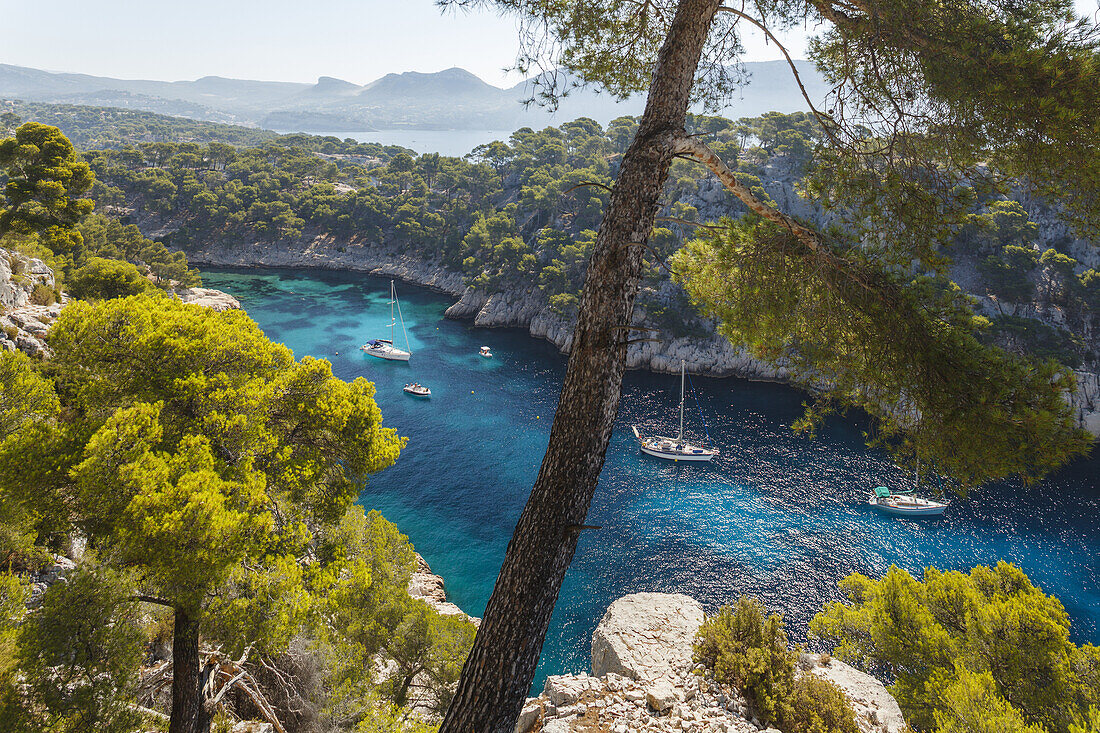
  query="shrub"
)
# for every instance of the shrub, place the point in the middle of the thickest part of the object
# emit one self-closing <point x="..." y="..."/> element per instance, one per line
<point x="818" y="706"/>
<point x="43" y="294"/>
<point x="102" y="279"/>
<point x="749" y="651"/>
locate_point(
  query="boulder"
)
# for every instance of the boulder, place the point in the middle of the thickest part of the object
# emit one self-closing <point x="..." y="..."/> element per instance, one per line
<point x="566" y="689"/>
<point x="647" y="636"/>
<point x="529" y="715"/>
<point x="209" y="298"/>
<point x="661" y="695"/>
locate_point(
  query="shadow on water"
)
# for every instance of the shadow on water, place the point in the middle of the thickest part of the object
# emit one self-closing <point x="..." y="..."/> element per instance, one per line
<point x="775" y="515"/>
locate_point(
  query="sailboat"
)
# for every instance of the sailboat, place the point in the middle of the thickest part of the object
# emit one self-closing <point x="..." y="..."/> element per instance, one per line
<point x="905" y="503"/>
<point x="384" y="348"/>
<point x="674" y="449"/>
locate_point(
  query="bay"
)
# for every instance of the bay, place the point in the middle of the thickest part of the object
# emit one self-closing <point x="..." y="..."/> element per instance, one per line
<point x="775" y="515"/>
<point x="454" y="143"/>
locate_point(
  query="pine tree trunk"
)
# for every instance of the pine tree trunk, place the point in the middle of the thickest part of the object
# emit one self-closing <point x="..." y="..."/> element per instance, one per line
<point x="501" y="666"/>
<point x="189" y="713"/>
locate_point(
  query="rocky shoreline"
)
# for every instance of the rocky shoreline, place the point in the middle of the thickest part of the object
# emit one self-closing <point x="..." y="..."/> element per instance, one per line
<point x="711" y="356"/>
<point x="644" y="679"/>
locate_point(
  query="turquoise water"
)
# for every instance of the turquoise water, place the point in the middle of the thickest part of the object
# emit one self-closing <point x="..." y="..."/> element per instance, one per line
<point x="776" y="516"/>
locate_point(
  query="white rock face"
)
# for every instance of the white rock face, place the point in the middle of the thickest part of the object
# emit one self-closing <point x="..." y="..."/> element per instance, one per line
<point x="209" y="298"/>
<point x="876" y="710"/>
<point x="646" y="636"/>
<point x="428" y="587"/>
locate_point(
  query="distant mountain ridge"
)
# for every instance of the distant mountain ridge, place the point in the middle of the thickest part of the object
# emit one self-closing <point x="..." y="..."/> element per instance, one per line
<point x="449" y="99"/>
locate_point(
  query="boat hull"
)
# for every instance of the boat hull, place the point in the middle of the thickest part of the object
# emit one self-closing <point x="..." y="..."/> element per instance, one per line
<point x="928" y="509"/>
<point x="389" y="354"/>
<point x="706" y="456"/>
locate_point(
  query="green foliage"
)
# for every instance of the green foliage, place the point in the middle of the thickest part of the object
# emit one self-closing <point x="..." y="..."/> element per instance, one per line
<point x="198" y="455"/>
<point x="1006" y="274"/>
<point x="962" y="647"/>
<point x="14" y="593"/>
<point x="969" y="703"/>
<point x="870" y="336"/>
<point x="45" y="182"/>
<point x="26" y="398"/>
<point x="1028" y="336"/>
<point x="81" y="652"/>
<point x="101" y="279"/>
<point x="1089" y="723"/>
<point x="1003" y="223"/>
<point x="749" y="651"/>
<point x="110" y="127"/>
<point x="368" y="612"/>
<point x="109" y="238"/>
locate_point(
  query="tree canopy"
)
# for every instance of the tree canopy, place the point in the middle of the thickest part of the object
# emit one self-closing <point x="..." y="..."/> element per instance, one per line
<point x="984" y="650"/>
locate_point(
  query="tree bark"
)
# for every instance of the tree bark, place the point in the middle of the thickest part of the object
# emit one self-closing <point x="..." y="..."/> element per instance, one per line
<point x="498" y="673"/>
<point x="189" y="713"/>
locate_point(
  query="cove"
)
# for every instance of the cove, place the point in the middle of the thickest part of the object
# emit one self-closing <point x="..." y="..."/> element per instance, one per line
<point x="775" y="515"/>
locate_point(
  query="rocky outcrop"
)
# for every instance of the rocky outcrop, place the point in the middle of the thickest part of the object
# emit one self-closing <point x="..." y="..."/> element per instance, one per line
<point x="646" y="636"/>
<point x="19" y="276"/>
<point x="426" y="586"/>
<point x="1085" y="401"/>
<point x="23" y="322"/>
<point x="643" y="679"/>
<point x="875" y="708"/>
<point x="208" y="298"/>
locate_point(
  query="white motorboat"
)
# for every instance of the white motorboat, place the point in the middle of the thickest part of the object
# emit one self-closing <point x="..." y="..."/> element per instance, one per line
<point x="905" y="504"/>
<point x="384" y="348"/>
<point x="416" y="389"/>
<point x="675" y="449"/>
<point x="485" y="351"/>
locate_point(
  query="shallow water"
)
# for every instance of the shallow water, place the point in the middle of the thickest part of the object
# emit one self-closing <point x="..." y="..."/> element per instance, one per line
<point x="775" y="515"/>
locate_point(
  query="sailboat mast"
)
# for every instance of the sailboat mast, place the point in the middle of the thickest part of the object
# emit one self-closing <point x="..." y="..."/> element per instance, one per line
<point x="680" y="437"/>
<point x="392" y="294"/>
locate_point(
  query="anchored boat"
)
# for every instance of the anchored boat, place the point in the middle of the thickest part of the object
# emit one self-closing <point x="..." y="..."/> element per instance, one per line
<point x="675" y="449"/>
<point x="384" y="348"/>
<point x="416" y="389"/>
<point x="904" y="503"/>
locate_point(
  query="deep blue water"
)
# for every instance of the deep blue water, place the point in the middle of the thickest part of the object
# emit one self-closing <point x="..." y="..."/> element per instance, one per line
<point x="776" y="515"/>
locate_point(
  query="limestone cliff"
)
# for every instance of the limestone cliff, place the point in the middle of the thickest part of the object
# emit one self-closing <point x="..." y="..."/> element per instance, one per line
<point x="708" y="354"/>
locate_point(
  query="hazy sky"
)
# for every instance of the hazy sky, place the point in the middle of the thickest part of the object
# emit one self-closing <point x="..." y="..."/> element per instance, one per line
<point x="356" y="40"/>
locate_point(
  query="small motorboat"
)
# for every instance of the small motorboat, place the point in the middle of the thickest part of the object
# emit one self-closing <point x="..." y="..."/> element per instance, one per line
<point x="486" y="352"/>
<point x="905" y="504"/>
<point x="416" y="389"/>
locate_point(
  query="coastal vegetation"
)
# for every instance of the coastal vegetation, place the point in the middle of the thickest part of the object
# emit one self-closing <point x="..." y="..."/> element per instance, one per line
<point x="205" y="481"/>
<point x="978" y="651"/>
<point x="239" y="465"/>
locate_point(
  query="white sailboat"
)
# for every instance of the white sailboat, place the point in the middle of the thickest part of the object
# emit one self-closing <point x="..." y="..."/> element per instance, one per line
<point x="906" y="503"/>
<point x="384" y="348"/>
<point x="674" y="449"/>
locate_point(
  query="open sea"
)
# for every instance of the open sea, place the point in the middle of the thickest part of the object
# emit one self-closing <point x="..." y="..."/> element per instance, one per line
<point x="775" y="515"/>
